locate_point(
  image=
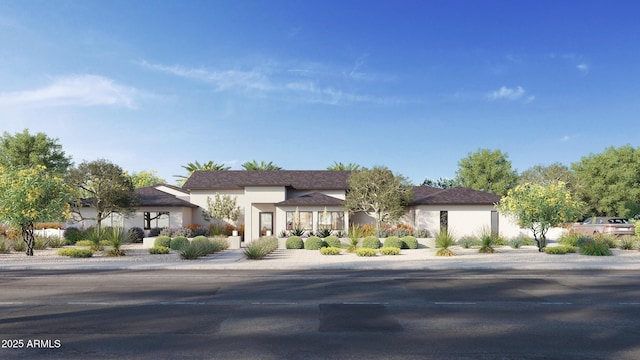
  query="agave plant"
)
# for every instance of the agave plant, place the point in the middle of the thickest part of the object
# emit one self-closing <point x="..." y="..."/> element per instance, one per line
<point x="444" y="239"/>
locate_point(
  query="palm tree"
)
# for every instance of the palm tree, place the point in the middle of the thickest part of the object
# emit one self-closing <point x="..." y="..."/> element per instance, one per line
<point x="340" y="166"/>
<point x="254" y="165"/>
<point x="195" y="166"/>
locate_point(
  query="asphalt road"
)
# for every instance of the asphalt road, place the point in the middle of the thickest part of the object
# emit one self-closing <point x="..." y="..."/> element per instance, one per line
<point x="453" y="314"/>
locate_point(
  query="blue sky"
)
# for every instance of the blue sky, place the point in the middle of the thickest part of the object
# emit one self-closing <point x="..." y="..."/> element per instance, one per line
<point x="411" y="85"/>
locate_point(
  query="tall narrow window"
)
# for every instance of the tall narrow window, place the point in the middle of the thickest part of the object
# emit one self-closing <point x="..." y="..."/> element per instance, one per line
<point x="495" y="225"/>
<point x="266" y="223"/>
<point x="444" y="220"/>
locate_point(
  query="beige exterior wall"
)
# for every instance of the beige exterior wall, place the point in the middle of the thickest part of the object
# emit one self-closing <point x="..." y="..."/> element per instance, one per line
<point x="464" y="220"/>
<point x="260" y="199"/>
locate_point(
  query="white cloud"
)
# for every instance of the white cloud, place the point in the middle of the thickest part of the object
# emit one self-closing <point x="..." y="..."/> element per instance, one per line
<point x="505" y="93"/>
<point x="76" y="90"/>
<point x="221" y="80"/>
<point x="282" y="83"/>
<point x="583" y="67"/>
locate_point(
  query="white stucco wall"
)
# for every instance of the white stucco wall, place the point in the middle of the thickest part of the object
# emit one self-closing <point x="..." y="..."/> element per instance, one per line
<point x="464" y="220"/>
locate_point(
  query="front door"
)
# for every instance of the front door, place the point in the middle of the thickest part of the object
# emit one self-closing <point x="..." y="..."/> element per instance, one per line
<point x="266" y="223"/>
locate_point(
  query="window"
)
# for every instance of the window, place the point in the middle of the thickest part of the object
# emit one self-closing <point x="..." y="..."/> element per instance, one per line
<point x="444" y="220"/>
<point x="300" y="219"/>
<point x="158" y="219"/>
<point x="332" y="220"/>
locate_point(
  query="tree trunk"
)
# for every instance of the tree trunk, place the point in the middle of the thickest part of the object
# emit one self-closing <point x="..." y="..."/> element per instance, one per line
<point x="27" y="237"/>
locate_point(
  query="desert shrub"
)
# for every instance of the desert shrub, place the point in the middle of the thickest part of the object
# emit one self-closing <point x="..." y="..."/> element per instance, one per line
<point x="594" y="247"/>
<point x="389" y="250"/>
<point x="182" y="232"/>
<point x="202" y="244"/>
<point x="72" y="235"/>
<point x="444" y="239"/>
<point x="40" y="243"/>
<point x="330" y="250"/>
<point x="371" y="242"/>
<point x="570" y="238"/>
<point x="409" y="242"/>
<point x="5" y="246"/>
<point x="294" y="242"/>
<point x="610" y="240"/>
<point x="96" y="236"/>
<point x="135" y="235"/>
<point x="200" y="231"/>
<point x="323" y="233"/>
<point x="402" y="232"/>
<point x="365" y="252"/>
<point x="487" y="240"/>
<point x="260" y="248"/>
<point x="468" y="241"/>
<point x="333" y="241"/>
<point x="159" y="250"/>
<point x="297" y="232"/>
<point x="313" y="243"/>
<point x="162" y="241"/>
<point x="340" y="234"/>
<point x="627" y="243"/>
<point x="19" y="245"/>
<point x="115" y="238"/>
<point x="155" y="232"/>
<point x="192" y="252"/>
<point x="219" y="244"/>
<point x="166" y="232"/>
<point x="56" y="242"/>
<point x="560" y="249"/>
<point x="516" y="243"/>
<point x="421" y="233"/>
<point x="393" y="241"/>
<point x="84" y="243"/>
<point x="382" y="233"/>
<point x="75" y="252"/>
<point x="179" y="243"/>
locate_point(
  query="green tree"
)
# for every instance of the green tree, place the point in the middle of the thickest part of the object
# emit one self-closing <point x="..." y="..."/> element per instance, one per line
<point x="145" y="178"/>
<point x="26" y="150"/>
<point x="104" y="187"/>
<point x="547" y="175"/>
<point x="337" y="166"/>
<point x="487" y="170"/>
<point x="609" y="182"/>
<point x="31" y="195"/>
<point x="379" y="193"/>
<point x="539" y="207"/>
<point x="262" y="165"/>
<point x="441" y="183"/>
<point x="195" y="166"/>
<point x="222" y="208"/>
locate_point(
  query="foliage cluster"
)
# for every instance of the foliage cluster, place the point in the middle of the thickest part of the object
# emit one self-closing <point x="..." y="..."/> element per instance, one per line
<point x="294" y="242"/>
<point x="389" y="250"/>
<point x="371" y="242"/>
<point x="159" y="250"/>
<point x="330" y="250"/>
<point x="75" y="252"/>
<point x="179" y="243"/>
<point x="333" y="241"/>
<point x="366" y="252"/>
<point x="258" y="249"/>
<point x="313" y="243"/>
<point x="559" y="250"/>
<point x="444" y="239"/>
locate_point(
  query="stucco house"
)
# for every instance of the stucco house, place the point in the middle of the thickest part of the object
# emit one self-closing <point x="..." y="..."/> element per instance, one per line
<point x="269" y="202"/>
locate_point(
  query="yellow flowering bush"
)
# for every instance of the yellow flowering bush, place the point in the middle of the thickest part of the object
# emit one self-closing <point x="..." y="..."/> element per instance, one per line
<point x="539" y="207"/>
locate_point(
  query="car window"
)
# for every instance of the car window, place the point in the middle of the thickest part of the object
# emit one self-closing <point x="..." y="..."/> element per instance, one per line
<point x="619" y="221"/>
<point x="587" y="221"/>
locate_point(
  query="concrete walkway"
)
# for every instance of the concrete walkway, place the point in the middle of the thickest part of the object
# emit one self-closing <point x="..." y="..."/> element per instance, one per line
<point x="526" y="258"/>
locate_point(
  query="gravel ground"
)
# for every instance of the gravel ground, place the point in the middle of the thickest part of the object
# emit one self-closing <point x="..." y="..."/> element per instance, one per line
<point x="136" y="257"/>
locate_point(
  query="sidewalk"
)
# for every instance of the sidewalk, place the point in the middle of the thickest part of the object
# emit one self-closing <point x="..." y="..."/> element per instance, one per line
<point x="526" y="258"/>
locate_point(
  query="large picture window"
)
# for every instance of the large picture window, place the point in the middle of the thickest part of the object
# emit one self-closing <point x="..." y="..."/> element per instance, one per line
<point x="332" y="220"/>
<point x="300" y="219"/>
<point x="158" y="219"/>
